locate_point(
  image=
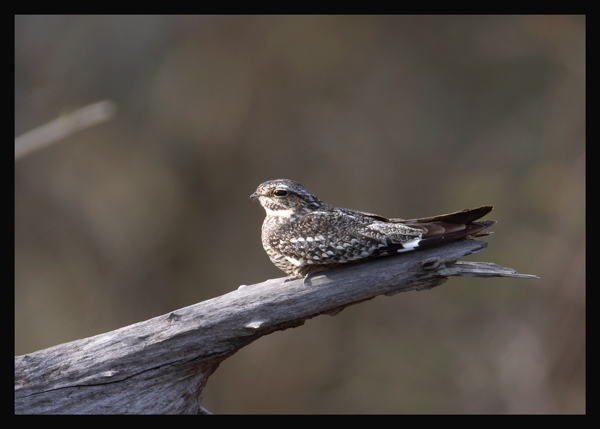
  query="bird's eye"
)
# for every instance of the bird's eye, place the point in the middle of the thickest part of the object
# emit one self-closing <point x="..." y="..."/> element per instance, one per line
<point x="280" y="193"/>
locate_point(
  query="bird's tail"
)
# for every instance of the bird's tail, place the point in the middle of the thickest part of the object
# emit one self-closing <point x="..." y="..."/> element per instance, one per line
<point x="452" y="226"/>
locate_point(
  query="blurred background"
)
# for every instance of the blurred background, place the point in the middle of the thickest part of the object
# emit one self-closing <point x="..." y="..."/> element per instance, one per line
<point x="404" y="116"/>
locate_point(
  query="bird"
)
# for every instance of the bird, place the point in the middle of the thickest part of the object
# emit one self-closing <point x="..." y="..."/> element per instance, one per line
<point x="302" y="234"/>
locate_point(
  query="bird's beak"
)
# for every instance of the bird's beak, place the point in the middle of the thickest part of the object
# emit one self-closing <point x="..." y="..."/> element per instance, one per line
<point x="254" y="196"/>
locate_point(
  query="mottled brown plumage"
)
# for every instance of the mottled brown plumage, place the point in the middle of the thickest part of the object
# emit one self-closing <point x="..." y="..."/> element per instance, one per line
<point x="302" y="234"/>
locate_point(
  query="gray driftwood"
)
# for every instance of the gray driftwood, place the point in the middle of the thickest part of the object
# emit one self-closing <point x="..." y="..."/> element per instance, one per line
<point x="161" y="365"/>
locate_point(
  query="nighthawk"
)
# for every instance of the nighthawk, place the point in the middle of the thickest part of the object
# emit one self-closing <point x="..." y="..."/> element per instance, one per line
<point x="302" y="234"/>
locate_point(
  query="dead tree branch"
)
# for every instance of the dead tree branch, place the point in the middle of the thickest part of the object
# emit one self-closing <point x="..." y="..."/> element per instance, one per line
<point x="161" y="365"/>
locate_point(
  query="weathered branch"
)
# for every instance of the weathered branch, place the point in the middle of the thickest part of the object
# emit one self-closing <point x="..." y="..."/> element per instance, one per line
<point x="161" y="365"/>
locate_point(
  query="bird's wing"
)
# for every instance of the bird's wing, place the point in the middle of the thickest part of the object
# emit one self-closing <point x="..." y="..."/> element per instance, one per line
<point x="341" y="235"/>
<point x="338" y="236"/>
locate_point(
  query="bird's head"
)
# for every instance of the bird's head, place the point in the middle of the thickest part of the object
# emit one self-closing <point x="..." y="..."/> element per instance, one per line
<point x="285" y="198"/>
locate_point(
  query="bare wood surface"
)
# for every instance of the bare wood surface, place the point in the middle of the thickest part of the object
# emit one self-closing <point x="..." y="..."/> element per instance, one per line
<point x="161" y="365"/>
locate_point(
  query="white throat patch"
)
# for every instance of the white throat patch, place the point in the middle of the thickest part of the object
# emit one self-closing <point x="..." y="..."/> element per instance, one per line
<point x="280" y="213"/>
